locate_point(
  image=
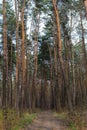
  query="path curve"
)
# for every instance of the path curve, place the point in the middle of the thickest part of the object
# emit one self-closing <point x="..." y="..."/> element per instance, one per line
<point x="46" y="121"/>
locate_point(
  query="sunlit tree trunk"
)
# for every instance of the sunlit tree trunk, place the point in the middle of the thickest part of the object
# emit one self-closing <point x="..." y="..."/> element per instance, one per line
<point x="57" y="20"/>
<point x="23" y="60"/>
<point x="85" y="4"/>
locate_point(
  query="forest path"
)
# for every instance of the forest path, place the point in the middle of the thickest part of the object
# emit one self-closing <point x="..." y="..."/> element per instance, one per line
<point x="47" y="121"/>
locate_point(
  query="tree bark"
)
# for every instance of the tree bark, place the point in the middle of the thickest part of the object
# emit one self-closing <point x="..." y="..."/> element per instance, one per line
<point x="23" y="60"/>
<point x="57" y="20"/>
<point x="5" y="67"/>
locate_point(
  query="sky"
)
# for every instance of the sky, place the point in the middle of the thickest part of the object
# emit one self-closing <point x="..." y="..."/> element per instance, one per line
<point x="0" y="1"/>
<point x="75" y="36"/>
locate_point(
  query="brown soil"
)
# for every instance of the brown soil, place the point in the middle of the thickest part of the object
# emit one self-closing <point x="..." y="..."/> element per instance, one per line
<point x="47" y="121"/>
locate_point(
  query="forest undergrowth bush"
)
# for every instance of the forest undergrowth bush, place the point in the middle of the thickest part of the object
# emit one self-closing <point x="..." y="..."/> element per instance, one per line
<point x="76" y="120"/>
<point x="62" y="115"/>
<point x="14" y="122"/>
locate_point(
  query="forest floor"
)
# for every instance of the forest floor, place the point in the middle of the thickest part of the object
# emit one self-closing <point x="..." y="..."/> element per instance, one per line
<point x="47" y="121"/>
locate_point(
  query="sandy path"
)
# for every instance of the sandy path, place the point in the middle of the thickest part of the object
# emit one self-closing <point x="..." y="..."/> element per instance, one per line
<point x="46" y="121"/>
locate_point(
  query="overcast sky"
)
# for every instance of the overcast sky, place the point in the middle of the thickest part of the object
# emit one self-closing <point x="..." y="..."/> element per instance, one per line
<point x="75" y="36"/>
<point x="0" y="1"/>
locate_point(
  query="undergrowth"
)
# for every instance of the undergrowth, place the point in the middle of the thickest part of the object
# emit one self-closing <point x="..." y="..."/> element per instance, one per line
<point x="74" y="120"/>
<point x="14" y="122"/>
<point x="1" y="120"/>
<point x="26" y="119"/>
<point x="62" y="115"/>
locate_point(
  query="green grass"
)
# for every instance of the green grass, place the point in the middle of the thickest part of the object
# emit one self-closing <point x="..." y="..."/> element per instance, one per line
<point x="72" y="126"/>
<point x="25" y="120"/>
<point x="75" y="120"/>
<point x="1" y="120"/>
<point x="14" y="121"/>
<point x="16" y="128"/>
<point x="62" y="115"/>
<point x="1" y="116"/>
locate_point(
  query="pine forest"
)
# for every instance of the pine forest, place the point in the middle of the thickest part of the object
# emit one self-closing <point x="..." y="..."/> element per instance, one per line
<point x="43" y="64"/>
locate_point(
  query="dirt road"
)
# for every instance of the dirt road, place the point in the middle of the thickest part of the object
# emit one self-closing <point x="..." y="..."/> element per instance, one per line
<point x="47" y="121"/>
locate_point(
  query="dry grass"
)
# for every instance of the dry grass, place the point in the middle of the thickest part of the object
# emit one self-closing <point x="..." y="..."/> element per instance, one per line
<point x="74" y="121"/>
<point x="13" y="122"/>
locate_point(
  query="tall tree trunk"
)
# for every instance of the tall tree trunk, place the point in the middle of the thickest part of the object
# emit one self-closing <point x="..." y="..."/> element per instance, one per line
<point x="5" y="57"/>
<point x="85" y="4"/>
<point x="5" y="67"/>
<point x="23" y="61"/>
<point x="51" y="80"/>
<point x="9" y="42"/>
<point x="73" y="74"/>
<point x="84" y="57"/>
<point x="57" y="76"/>
<point x="17" y="56"/>
<point x="56" y="13"/>
<point x="35" y="70"/>
<point x="35" y="55"/>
